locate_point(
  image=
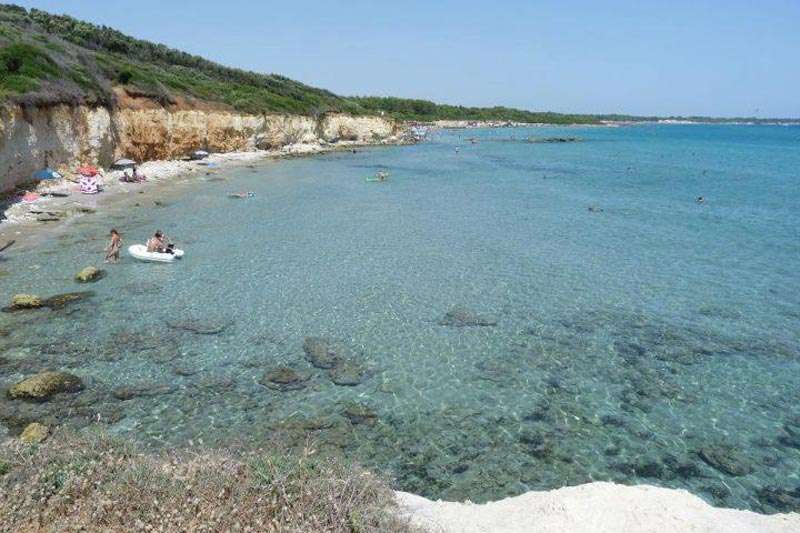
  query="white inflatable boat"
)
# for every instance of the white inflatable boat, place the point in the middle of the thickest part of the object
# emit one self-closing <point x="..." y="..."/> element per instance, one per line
<point x="139" y="251"/>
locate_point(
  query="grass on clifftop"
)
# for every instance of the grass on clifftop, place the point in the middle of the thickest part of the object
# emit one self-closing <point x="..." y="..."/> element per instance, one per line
<point x="89" y="60"/>
<point x="22" y="66"/>
<point x="72" y="483"/>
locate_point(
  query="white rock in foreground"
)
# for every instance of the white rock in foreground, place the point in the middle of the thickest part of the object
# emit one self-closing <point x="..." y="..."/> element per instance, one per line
<point x="594" y="507"/>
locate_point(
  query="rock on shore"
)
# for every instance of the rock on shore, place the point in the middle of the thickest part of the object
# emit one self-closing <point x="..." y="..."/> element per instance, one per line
<point x="26" y="301"/>
<point x="89" y="274"/>
<point x="42" y="386"/>
<point x="34" y="433"/>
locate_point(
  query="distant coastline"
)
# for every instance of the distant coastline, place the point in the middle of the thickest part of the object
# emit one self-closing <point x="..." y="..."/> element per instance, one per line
<point x="470" y="124"/>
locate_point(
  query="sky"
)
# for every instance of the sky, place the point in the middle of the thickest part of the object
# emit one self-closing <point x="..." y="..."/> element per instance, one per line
<point x="702" y="57"/>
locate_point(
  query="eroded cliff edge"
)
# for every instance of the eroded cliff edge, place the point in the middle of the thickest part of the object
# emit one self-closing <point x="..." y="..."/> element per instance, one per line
<point x="62" y="136"/>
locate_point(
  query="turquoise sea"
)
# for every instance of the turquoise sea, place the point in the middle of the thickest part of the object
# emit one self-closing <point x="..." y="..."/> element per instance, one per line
<point x="507" y="317"/>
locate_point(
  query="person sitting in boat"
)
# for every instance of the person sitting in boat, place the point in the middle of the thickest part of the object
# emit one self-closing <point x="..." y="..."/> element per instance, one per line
<point x="158" y="243"/>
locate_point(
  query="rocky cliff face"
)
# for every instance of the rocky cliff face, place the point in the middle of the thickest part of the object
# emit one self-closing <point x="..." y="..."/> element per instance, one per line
<point x="64" y="136"/>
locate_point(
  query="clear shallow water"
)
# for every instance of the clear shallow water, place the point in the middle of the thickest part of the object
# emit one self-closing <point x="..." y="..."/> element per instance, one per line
<point x="652" y="340"/>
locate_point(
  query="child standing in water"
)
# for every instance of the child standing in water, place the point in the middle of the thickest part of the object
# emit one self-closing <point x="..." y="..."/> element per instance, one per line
<point x="112" y="250"/>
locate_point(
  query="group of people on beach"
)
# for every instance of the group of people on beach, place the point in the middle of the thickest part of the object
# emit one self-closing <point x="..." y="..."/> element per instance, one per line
<point x="158" y="243"/>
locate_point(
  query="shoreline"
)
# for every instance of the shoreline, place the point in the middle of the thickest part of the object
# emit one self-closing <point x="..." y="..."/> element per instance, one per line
<point x="596" y="506"/>
<point x="31" y="220"/>
<point x="503" y="124"/>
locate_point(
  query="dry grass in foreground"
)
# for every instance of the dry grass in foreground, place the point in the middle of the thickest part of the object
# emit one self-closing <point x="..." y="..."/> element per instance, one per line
<point x="96" y="483"/>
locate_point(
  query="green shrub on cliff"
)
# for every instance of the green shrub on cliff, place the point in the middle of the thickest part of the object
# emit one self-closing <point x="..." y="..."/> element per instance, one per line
<point x="23" y="66"/>
<point x="423" y="110"/>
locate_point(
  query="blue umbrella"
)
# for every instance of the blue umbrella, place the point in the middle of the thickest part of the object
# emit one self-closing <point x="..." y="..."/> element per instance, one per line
<point x="46" y="174"/>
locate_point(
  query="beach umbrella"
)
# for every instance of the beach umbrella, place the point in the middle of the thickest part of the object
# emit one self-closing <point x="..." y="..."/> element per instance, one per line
<point x="46" y="174"/>
<point x="124" y="163"/>
<point x="88" y="171"/>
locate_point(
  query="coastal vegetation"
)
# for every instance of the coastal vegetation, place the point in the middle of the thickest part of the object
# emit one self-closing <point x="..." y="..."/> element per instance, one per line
<point x="65" y="60"/>
<point x="95" y="482"/>
<point x="48" y="59"/>
<point x="423" y="110"/>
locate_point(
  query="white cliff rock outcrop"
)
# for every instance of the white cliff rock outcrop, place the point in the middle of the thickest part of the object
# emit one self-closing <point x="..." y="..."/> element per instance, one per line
<point x="60" y="136"/>
<point x="593" y="507"/>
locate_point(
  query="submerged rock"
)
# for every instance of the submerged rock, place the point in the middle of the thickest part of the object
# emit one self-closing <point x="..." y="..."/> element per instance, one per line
<point x="725" y="459"/>
<point x="303" y="425"/>
<point x="784" y="500"/>
<point x="649" y="467"/>
<point x="89" y="274"/>
<point x="460" y="317"/>
<point x="129" y="392"/>
<point x="143" y="288"/>
<point x="348" y="373"/>
<point x="60" y="301"/>
<point x="536" y="444"/>
<point x="548" y="140"/>
<point x="683" y="467"/>
<point x="285" y="379"/>
<point x="216" y="384"/>
<point x="359" y="413"/>
<point x="612" y="420"/>
<point x="791" y="434"/>
<point x="630" y="351"/>
<point x="44" y="385"/>
<point x="34" y="433"/>
<point x="200" y="326"/>
<point x="185" y="370"/>
<point x="318" y="423"/>
<point x="17" y="416"/>
<point x="497" y="371"/>
<point x="343" y="366"/>
<point x="323" y="352"/>
<point x="25" y="301"/>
